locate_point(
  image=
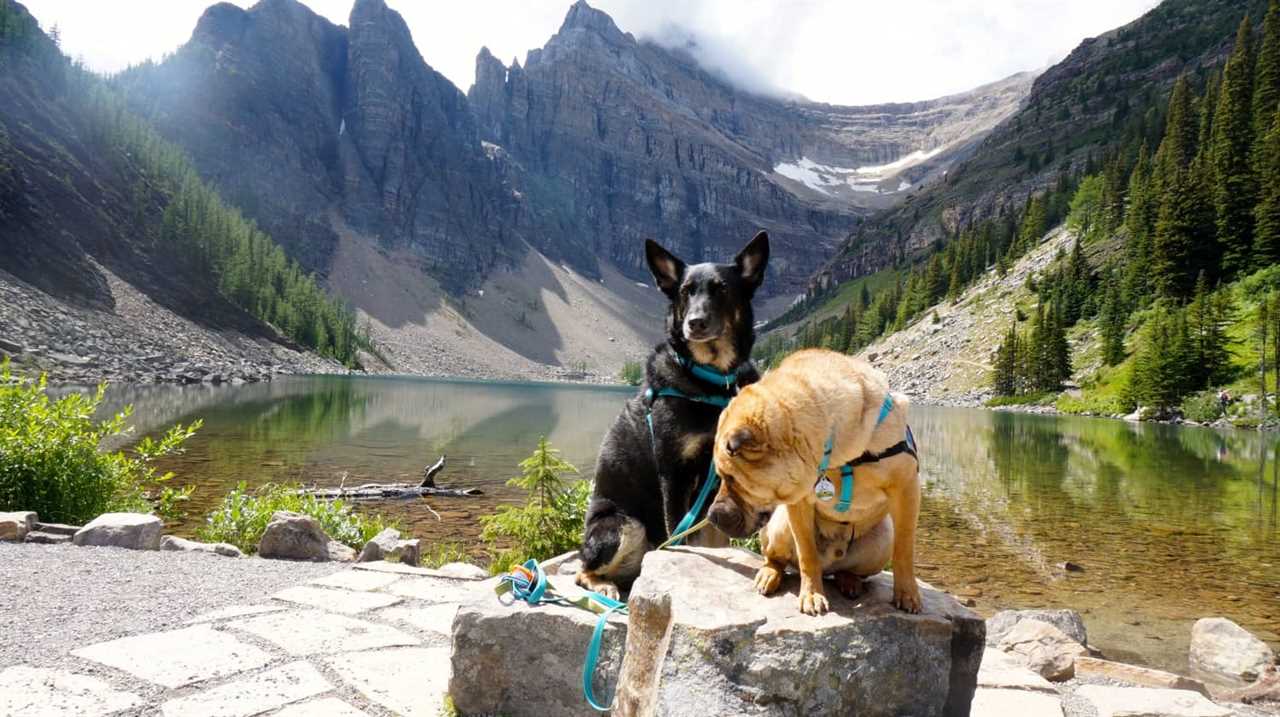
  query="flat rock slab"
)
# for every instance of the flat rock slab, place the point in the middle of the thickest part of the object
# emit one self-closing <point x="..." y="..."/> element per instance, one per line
<point x="38" y="691"/>
<point x="435" y="618"/>
<point x="174" y="543"/>
<point x="252" y="695"/>
<point x="1001" y="671"/>
<point x="136" y="531"/>
<point x="43" y="538"/>
<point x="398" y="568"/>
<point x="343" y="601"/>
<point x="499" y="651"/>
<point x="226" y="613"/>
<point x="439" y="590"/>
<point x="989" y="702"/>
<point x="15" y="525"/>
<point x="409" y="681"/>
<point x="178" y="657"/>
<point x="310" y="632"/>
<point x="1149" y="702"/>
<point x="323" y="707"/>
<point x="701" y="641"/>
<point x="1145" y="676"/>
<point x="357" y="580"/>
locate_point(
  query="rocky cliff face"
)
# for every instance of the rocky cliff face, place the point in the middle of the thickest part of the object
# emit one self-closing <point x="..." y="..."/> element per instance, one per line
<point x="637" y="141"/>
<point x="302" y="123"/>
<point x="1075" y="109"/>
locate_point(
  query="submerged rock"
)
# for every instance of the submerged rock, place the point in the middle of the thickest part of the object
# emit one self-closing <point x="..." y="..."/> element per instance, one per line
<point x="136" y="531"/>
<point x="1220" y="648"/>
<point x="1068" y="621"/>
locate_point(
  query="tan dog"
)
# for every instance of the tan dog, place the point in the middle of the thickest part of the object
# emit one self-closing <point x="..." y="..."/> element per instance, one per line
<point x="769" y="446"/>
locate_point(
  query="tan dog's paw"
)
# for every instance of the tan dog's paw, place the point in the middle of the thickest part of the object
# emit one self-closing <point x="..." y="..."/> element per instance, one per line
<point x="907" y="597"/>
<point x="594" y="584"/>
<point x="813" y="603"/>
<point x="768" y="578"/>
<point x="848" y="584"/>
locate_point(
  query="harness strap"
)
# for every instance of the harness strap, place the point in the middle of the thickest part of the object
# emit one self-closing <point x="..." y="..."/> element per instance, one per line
<point x="846" y="471"/>
<point x="710" y="374"/>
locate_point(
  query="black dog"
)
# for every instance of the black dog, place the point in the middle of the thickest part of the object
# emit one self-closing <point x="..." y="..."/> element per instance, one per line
<point x="646" y="479"/>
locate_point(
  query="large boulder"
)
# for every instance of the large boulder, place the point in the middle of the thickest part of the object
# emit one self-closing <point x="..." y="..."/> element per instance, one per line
<point x="1222" y="649"/>
<point x="173" y="542"/>
<point x="524" y="661"/>
<point x="14" y="526"/>
<point x="1068" y="621"/>
<point x="701" y="641"/>
<point x="136" y="531"/>
<point x="1046" y="650"/>
<point x="293" y="536"/>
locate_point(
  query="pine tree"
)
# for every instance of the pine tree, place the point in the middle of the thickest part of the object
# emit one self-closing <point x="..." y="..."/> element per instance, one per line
<point x="1004" y="378"/>
<point x="1267" y="212"/>
<point x="1266" y="79"/>
<point x="1180" y="218"/>
<point x="1207" y="326"/>
<point x="1112" y="324"/>
<point x="1235" y="186"/>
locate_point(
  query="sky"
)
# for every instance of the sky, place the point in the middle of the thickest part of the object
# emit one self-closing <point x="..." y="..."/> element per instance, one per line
<point x="837" y="51"/>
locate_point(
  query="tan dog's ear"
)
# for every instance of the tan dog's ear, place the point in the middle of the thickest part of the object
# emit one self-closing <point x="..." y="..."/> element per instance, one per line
<point x="741" y="439"/>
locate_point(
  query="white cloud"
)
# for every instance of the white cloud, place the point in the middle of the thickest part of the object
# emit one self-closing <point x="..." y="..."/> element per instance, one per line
<point x="828" y="50"/>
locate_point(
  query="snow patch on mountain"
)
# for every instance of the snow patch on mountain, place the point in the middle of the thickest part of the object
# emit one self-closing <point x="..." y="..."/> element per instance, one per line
<point x="833" y="181"/>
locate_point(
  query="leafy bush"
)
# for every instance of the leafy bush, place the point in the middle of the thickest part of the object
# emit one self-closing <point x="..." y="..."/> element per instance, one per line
<point x="1202" y="407"/>
<point x="244" y="514"/>
<point x="50" y="460"/>
<point x="549" y="523"/>
<point x="1096" y="404"/>
<point x="632" y="373"/>
<point x="437" y="554"/>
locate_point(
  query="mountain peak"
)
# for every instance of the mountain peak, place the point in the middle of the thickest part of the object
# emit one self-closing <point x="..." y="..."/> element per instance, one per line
<point x="582" y="16"/>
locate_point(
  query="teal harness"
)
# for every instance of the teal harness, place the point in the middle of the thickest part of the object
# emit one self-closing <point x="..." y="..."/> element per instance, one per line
<point x="825" y="490"/>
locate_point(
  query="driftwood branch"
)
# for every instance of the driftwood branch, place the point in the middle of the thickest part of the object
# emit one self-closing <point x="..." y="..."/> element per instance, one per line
<point x="384" y="491"/>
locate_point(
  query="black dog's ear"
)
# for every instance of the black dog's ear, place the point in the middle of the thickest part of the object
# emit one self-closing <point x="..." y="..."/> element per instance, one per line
<point x="741" y="439"/>
<point x="667" y="269"/>
<point x="752" y="260"/>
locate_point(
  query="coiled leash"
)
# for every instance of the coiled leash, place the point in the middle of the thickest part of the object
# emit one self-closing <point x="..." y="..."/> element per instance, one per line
<point x="529" y="583"/>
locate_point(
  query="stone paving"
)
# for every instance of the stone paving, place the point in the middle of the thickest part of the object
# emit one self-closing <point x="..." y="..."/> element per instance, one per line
<point x="371" y="639"/>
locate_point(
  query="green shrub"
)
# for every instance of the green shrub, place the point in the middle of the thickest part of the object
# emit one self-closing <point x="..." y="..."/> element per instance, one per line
<point x="50" y="460"/>
<point x="438" y="554"/>
<point x="1026" y="399"/>
<point x="632" y="373"/>
<point x="243" y="516"/>
<point x="1202" y="407"/>
<point x="549" y="523"/>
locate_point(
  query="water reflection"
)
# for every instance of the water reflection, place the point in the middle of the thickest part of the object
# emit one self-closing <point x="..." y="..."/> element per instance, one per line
<point x="1168" y="523"/>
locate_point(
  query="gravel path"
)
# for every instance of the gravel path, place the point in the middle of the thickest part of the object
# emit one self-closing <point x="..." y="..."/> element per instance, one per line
<point x="56" y="598"/>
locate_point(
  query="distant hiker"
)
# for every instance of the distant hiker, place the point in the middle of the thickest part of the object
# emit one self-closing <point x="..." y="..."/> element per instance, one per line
<point x="1224" y="399"/>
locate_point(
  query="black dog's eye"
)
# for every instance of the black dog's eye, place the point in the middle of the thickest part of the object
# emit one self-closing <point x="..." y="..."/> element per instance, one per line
<point x="685" y="289"/>
<point x="716" y="287"/>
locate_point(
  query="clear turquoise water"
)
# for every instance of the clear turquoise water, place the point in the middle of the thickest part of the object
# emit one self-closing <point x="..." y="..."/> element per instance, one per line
<point x="1168" y="523"/>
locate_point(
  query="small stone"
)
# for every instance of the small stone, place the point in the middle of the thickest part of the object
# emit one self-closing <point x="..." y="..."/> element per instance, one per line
<point x="409" y="681"/>
<point x="308" y="632"/>
<point x="38" y="691"/>
<point x="178" y="657"/>
<point x="1068" y="621"/>
<point x="343" y="601"/>
<point x="1044" y="648"/>
<point x="340" y="553"/>
<point x="252" y="695"/>
<point x="989" y="702"/>
<point x="1145" y="676"/>
<point x="1222" y="649"/>
<point x="57" y="528"/>
<point x="173" y="542"/>
<point x="43" y="538"/>
<point x="135" y="531"/>
<point x="14" y="526"/>
<point x="293" y="536"/>
<point x="1110" y="701"/>
<point x="379" y="546"/>
<point x="463" y="571"/>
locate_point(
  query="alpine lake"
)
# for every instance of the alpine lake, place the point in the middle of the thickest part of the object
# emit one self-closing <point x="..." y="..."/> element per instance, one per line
<point x="1142" y="528"/>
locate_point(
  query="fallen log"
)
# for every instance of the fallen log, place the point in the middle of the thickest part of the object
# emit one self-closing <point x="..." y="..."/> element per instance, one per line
<point x="380" y="491"/>
<point x="383" y="491"/>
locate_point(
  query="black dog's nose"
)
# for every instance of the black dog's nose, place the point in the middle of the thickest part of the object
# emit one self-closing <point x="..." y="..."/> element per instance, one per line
<point x="697" y="323"/>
